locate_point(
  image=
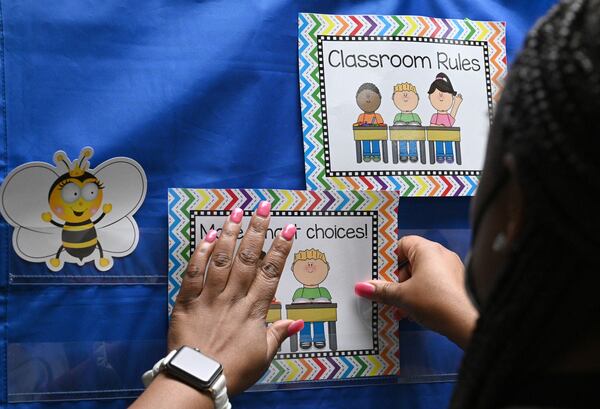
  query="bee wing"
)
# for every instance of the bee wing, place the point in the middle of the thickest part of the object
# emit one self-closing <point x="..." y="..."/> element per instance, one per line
<point x="24" y="195"/>
<point x="36" y="246"/>
<point x="124" y="187"/>
<point x="120" y="238"/>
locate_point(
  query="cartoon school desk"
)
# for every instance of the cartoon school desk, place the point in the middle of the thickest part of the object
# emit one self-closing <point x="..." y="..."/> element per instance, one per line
<point x="443" y="134"/>
<point x="274" y="313"/>
<point x="407" y="133"/>
<point x="314" y="312"/>
<point x="371" y="133"/>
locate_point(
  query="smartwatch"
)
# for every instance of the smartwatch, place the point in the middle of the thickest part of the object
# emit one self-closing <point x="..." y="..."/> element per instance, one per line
<point x="195" y="369"/>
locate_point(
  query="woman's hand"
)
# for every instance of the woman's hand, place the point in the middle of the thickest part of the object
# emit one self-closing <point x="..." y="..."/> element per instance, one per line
<point x="225" y="295"/>
<point x="431" y="289"/>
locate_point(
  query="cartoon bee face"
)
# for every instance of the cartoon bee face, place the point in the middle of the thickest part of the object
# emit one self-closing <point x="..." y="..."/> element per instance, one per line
<point x="75" y="199"/>
<point x="76" y="196"/>
<point x="77" y="223"/>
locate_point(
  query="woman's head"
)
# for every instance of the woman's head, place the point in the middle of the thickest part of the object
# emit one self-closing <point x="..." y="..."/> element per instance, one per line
<point x="535" y="225"/>
<point x="441" y="93"/>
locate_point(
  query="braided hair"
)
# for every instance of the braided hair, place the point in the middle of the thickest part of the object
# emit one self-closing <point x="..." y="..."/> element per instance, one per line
<point x="547" y="296"/>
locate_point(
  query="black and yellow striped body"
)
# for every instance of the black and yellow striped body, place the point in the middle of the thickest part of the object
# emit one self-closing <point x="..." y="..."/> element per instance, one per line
<point x="79" y="239"/>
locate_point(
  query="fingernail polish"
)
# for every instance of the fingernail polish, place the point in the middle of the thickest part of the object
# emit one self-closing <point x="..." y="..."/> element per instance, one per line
<point x="366" y="290"/>
<point x="264" y="208"/>
<point x="295" y="327"/>
<point x="288" y="232"/>
<point x="211" y="236"/>
<point x="236" y="215"/>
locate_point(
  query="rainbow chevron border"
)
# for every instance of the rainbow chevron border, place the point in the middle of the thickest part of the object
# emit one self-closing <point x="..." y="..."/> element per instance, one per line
<point x="182" y="201"/>
<point x="312" y="25"/>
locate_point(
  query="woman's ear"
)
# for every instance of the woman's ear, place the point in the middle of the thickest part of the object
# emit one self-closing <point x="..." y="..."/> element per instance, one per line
<point x="515" y="209"/>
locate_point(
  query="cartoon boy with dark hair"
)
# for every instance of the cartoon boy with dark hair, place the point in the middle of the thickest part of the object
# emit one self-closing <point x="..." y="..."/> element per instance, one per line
<point x="368" y="99"/>
<point x="310" y="267"/>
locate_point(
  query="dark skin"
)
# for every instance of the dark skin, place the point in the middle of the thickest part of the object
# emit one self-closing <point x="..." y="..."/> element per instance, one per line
<point x="238" y="289"/>
<point x="431" y="288"/>
<point x="221" y="310"/>
<point x="368" y="101"/>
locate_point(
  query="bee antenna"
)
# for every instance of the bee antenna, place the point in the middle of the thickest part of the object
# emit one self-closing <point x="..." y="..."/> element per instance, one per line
<point x="59" y="157"/>
<point x="83" y="161"/>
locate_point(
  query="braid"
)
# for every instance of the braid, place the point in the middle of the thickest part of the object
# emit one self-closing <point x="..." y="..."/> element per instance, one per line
<point x="547" y="293"/>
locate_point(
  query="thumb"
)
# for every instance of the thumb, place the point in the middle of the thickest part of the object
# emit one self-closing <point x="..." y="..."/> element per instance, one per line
<point x="385" y="292"/>
<point x="279" y="331"/>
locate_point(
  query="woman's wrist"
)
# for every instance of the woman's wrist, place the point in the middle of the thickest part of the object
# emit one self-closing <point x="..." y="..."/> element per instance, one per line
<point x="174" y="393"/>
<point x="462" y="325"/>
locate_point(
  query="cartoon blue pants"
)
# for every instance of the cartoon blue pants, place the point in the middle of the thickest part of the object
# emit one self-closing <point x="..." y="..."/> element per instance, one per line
<point x="318" y="332"/>
<point x="371" y="148"/>
<point x="408" y="148"/>
<point x="444" y="149"/>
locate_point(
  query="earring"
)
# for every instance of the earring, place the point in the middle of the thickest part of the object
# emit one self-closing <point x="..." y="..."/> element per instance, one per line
<point x="499" y="242"/>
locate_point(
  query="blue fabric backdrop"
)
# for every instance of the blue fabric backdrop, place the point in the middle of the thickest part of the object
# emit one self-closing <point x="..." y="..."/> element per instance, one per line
<point x="202" y="94"/>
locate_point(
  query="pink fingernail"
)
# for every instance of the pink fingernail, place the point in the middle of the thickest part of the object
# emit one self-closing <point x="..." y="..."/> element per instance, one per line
<point x="366" y="290"/>
<point x="264" y="208"/>
<point x="236" y="215"/>
<point x="295" y="327"/>
<point x="288" y="232"/>
<point x="211" y="236"/>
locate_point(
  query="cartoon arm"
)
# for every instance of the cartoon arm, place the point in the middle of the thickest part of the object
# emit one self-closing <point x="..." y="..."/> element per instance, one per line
<point x="416" y="118"/>
<point x="379" y="119"/>
<point x="360" y="120"/>
<point x="325" y="295"/>
<point x="297" y="294"/>
<point x="47" y="217"/>
<point x="457" y="101"/>
<point x="106" y="209"/>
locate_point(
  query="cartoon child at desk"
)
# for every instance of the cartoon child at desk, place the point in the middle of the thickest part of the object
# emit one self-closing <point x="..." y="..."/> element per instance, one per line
<point x="310" y="267"/>
<point x="368" y="98"/>
<point x="446" y="102"/>
<point x="406" y="99"/>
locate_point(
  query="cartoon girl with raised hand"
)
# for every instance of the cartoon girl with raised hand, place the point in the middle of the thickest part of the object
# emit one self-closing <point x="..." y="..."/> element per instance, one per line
<point x="445" y="101"/>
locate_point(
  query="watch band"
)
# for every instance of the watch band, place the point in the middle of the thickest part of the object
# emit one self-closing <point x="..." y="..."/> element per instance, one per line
<point x="219" y="393"/>
<point x="218" y="389"/>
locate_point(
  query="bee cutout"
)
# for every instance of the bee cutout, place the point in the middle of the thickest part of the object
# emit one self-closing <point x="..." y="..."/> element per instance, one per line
<point x="69" y="213"/>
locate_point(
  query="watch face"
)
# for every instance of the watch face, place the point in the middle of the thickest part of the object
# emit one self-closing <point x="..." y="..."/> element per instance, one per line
<point x="192" y="364"/>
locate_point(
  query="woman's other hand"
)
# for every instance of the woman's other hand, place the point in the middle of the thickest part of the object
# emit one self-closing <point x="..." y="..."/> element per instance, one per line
<point x="431" y="289"/>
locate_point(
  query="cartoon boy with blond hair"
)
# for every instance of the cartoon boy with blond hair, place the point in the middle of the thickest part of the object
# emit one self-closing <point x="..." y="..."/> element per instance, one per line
<point x="310" y="267"/>
<point x="406" y="99"/>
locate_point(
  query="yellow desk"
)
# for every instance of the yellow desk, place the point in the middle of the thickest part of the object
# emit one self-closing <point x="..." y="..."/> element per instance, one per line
<point x="407" y="133"/>
<point x="443" y="134"/>
<point x="314" y="312"/>
<point x="370" y="133"/>
<point x="274" y="313"/>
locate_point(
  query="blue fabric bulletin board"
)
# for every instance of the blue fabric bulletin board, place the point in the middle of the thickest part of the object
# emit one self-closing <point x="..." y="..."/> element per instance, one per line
<point x="201" y="94"/>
